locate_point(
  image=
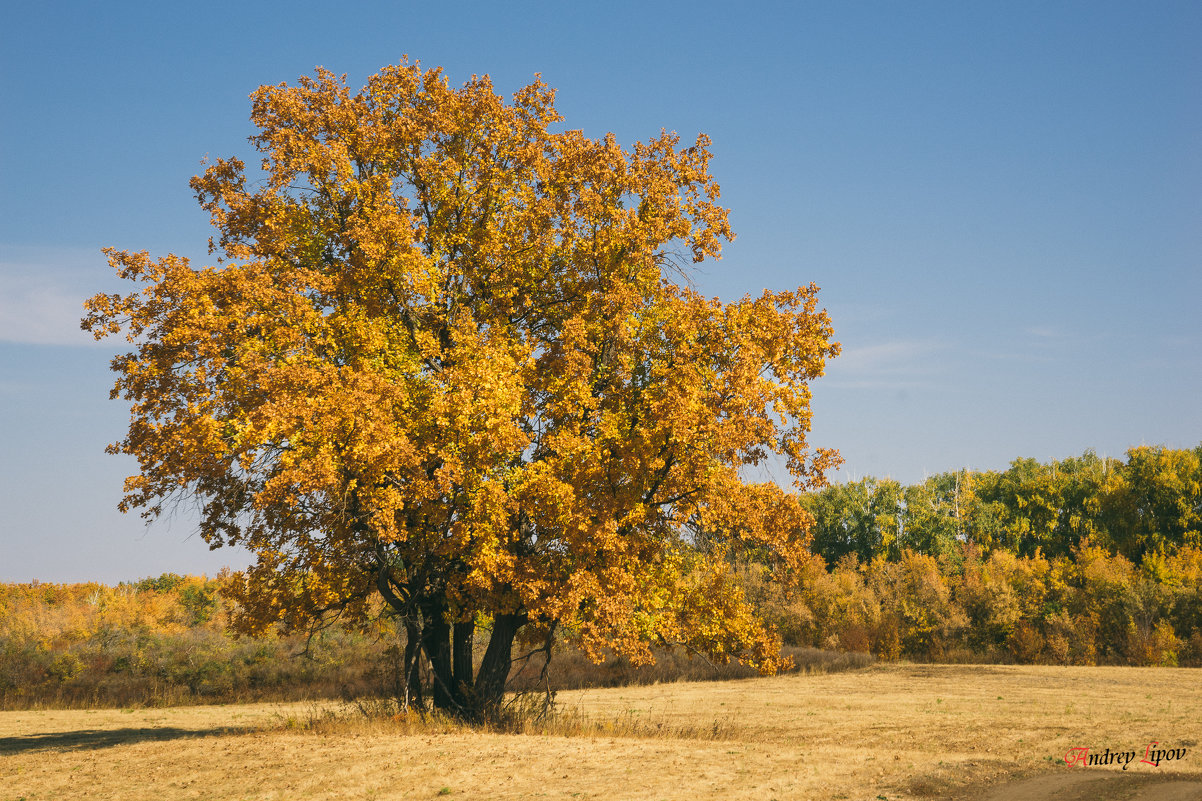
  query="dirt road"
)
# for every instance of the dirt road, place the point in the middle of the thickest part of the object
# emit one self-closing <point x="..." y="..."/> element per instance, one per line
<point x="1092" y="786"/>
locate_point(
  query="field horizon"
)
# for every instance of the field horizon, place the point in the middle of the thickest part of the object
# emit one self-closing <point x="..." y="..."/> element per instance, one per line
<point x="889" y="731"/>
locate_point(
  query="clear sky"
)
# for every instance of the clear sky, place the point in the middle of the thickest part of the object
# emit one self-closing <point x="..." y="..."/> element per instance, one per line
<point x="1002" y="203"/>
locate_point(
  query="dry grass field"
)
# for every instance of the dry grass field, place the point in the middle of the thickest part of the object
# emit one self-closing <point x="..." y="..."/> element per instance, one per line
<point x="887" y="732"/>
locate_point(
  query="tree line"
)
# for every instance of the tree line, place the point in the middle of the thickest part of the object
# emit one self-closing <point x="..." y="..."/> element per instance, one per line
<point x="1090" y="607"/>
<point x="170" y="640"/>
<point x="163" y="641"/>
<point x="1088" y="560"/>
<point x="1150" y="503"/>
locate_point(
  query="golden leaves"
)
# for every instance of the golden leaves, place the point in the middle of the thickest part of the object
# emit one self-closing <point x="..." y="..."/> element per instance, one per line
<point x="445" y="345"/>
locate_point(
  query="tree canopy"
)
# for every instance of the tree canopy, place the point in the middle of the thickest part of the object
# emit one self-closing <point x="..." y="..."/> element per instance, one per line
<point x="451" y="358"/>
<point x="1149" y="504"/>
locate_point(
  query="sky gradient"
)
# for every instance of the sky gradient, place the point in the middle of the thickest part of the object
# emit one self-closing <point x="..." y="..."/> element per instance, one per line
<point x="1002" y="204"/>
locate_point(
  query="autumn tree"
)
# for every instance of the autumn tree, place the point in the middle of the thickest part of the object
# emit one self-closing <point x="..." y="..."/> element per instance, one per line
<point x="450" y="358"/>
<point x="1153" y="503"/>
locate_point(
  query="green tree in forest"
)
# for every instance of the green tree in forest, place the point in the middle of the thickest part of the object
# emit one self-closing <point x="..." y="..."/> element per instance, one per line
<point x="936" y="511"/>
<point x="859" y="517"/>
<point x="1154" y="502"/>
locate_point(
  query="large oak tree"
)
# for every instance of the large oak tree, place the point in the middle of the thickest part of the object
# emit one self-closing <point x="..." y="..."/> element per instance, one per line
<point x="449" y="357"/>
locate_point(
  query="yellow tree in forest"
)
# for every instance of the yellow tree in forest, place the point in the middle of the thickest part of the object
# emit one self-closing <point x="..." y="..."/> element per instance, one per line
<point x="450" y="358"/>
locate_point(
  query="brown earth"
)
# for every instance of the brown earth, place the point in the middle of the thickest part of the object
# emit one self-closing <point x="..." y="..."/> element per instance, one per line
<point x="1085" y="787"/>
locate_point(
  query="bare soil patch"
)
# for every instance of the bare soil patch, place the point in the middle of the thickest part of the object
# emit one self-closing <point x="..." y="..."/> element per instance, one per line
<point x="1083" y="787"/>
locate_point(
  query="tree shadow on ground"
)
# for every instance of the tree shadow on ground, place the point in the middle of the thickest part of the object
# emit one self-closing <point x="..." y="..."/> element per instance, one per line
<point x="94" y="739"/>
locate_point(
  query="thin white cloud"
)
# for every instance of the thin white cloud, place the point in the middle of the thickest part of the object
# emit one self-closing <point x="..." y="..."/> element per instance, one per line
<point x="42" y="291"/>
<point x="1041" y="344"/>
<point x="898" y="364"/>
<point x="1054" y="336"/>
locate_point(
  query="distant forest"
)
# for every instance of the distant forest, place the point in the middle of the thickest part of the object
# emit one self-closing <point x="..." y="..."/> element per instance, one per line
<point x="1088" y="560"/>
<point x="1149" y="504"/>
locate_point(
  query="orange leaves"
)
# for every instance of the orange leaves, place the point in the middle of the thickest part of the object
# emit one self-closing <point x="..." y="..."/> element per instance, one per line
<point x="445" y="353"/>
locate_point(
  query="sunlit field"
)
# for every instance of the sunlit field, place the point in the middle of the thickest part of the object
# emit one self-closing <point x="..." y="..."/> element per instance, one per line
<point x="894" y="731"/>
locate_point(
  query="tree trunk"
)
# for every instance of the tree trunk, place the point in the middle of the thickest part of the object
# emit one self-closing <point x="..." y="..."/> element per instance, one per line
<point x="462" y="641"/>
<point x="411" y="681"/>
<point x="436" y="642"/>
<point x="494" y="669"/>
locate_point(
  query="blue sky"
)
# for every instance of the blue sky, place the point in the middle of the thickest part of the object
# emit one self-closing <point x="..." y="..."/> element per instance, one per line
<point x="1002" y="204"/>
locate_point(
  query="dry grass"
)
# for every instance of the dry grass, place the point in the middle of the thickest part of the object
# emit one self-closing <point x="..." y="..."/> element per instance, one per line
<point x="890" y="731"/>
<point x="572" y="670"/>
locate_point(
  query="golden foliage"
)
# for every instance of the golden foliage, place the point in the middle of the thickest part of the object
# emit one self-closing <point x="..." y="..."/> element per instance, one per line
<point x="450" y="354"/>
